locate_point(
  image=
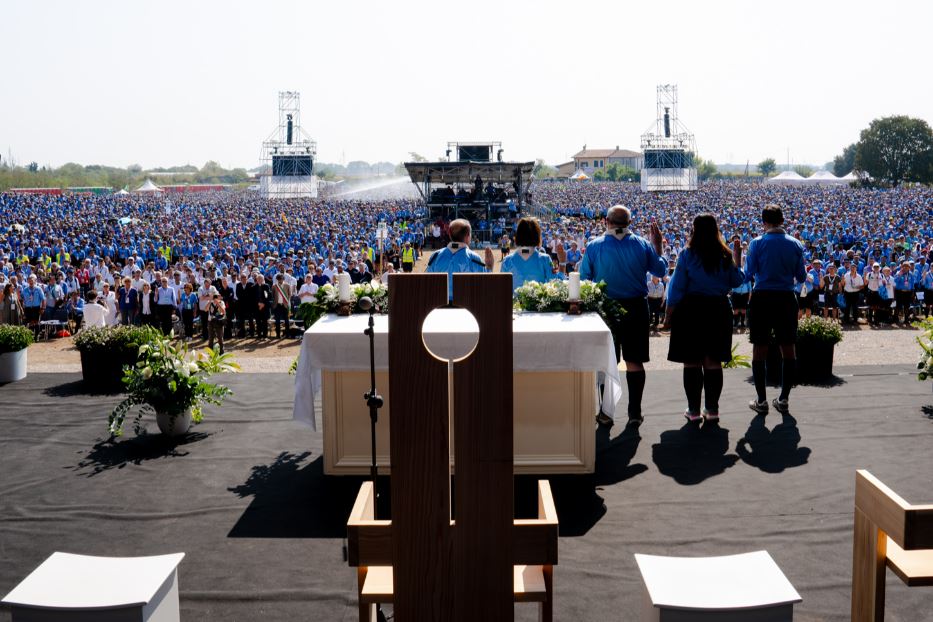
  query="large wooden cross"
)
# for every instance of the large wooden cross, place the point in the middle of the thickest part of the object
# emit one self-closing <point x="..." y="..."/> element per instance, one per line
<point x="461" y="556"/>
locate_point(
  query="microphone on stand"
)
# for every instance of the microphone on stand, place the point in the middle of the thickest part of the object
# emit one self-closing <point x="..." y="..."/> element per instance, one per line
<point x="365" y="303"/>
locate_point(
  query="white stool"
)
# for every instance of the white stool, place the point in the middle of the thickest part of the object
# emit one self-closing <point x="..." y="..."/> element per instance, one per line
<point x="80" y="588"/>
<point x="748" y="588"/>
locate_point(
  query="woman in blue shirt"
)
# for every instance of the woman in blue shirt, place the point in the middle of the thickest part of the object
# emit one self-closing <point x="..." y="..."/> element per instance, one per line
<point x="527" y="263"/>
<point x="700" y="315"/>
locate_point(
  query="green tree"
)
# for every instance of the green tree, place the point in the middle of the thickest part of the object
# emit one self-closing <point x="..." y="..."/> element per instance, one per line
<point x="767" y="167"/>
<point x="896" y="149"/>
<point x="33" y="167"/>
<point x="844" y="163"/>
<point x="542" y="170"/>
<point x="705" y="168"/>
<point x="803" y="170"/>
<point x="416" y="157"/>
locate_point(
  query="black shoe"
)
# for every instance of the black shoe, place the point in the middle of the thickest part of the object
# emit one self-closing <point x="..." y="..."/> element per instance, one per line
<point x="637" y="419"/>
<point x="604" y="419"/>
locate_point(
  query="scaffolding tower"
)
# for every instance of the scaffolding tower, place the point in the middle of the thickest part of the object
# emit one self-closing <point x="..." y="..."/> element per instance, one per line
<point x="288" y="154"/>
<point x="669" y="148"/>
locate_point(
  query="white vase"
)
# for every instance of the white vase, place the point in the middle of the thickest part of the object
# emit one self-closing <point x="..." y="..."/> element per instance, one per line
<point x="174" y="425"/>
<point x="13" y="366"/>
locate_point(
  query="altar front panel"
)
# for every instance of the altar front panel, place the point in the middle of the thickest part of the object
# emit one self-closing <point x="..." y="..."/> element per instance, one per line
<point x="553" y="418"/>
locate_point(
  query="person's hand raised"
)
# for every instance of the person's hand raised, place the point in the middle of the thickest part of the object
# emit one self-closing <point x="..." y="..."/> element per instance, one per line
<point x="488" y="259"/>
<point x="656" y="239"/>
<point x="737" y="252"/>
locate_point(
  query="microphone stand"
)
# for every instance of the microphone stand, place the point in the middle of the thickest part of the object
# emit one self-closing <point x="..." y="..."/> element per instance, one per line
<point x="374" y="402"/>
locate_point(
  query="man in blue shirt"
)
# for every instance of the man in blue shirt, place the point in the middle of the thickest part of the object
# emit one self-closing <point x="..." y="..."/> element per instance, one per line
<point x="457" y="256"/>
<point x="774" y="261"/>
<point x="623" y="260"/>
<point x="166" y="301"/>
<point x="33" y="302"/>
<point x="903" y="293"/>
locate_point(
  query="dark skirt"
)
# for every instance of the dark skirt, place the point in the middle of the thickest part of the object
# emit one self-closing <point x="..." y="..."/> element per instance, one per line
<point x="701" y="326"/>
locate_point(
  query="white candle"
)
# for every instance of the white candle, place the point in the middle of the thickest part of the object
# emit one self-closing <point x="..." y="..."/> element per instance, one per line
<point x="343" y="287"/>
<point x="574" y="286"/>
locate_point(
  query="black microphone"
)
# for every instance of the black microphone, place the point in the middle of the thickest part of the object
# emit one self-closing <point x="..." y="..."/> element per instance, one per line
<point x="365" y="303"/>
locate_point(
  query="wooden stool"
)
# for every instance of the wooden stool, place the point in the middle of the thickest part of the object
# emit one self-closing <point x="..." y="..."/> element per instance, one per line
<point x="888" y="533"/>
<point x="81" y="588"/>
<point x="736" y="588"/>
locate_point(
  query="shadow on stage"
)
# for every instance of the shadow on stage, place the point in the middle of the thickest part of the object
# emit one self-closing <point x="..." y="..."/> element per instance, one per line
<point x="292" y="498"/>
<point x="927" y="412"/>
<point x="693" y="453"/>
<point x="79" y="387"/>
<point x="774" y="381"/>
<point x="113" y="454"/>
<point x="773" y="450"/>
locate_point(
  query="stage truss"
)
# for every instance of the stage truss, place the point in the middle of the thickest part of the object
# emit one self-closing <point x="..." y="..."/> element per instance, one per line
<point x="289" y="154"/>
<point x="669" y="148"/>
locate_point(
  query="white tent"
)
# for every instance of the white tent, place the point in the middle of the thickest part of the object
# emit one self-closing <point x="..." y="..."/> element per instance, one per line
<point x="824" y="177"/>
<point x="579" y="176"/>
<point x="787" y="177"/>
<point x="121" y="192"/>
<point x="148" y="188"/>
<point x="850" y="177"/>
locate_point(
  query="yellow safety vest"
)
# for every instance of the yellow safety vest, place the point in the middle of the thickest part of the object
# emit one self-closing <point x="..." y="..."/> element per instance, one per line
<point x="23" y="259"/>
<point x="167" y="253"/>
<point x="369" y="253"/>
<point x="408" y="255"/>
<point x="45" y="260"/>
<point x="58" y="258"/>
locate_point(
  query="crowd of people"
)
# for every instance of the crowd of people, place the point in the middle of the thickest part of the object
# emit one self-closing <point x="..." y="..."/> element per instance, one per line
<point x="241" y="262"/>
<point x="215" y="265"/>
<point x="864" y="249"/>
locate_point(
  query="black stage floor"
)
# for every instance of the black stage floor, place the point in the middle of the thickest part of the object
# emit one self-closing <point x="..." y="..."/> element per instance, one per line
<point x="245" y="497"/>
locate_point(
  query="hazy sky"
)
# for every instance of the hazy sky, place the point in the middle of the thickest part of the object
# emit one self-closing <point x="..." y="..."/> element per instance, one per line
<point x="165" y="83"/>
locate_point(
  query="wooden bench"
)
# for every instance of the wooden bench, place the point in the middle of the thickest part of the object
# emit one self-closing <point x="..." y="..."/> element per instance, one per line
<point x="888" y="533"/>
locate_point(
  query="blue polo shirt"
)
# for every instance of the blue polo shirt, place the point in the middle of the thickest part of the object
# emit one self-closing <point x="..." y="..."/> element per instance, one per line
<point x="33" y="296"/>
<point x="774" y="260"/>
<point x="452" y="262"/>
<point x="536" y="267"/>
<point x="622" y="264"/>
<point x="904" y="282"/>
<point x="690" y="277"/>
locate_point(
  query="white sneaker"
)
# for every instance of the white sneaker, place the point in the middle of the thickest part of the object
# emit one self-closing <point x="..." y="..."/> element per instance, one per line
<point x="759" y="407"/>
<point x="780" y="405"/>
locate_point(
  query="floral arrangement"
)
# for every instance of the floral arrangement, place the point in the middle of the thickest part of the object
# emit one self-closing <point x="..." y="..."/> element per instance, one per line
<point x="553" y="296"/>
<point x="925" y="339"/>
<point x="14" y="338"/>
<point x="819" y="329"/>
<point x="326" y="300"/>
<point x="737" y="361"/>
<point x="169" y="379"/>
<point x="115" y="341"/>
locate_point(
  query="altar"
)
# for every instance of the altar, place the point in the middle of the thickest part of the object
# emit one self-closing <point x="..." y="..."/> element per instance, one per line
<point x="559" y="361"/>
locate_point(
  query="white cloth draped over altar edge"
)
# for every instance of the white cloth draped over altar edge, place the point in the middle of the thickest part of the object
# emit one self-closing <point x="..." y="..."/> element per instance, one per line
<point x="541" y="342"/>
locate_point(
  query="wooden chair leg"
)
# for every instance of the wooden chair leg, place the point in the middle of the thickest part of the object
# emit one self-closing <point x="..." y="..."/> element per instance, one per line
<point x="546" y="609"/>
<point x="868" y="570"/>
<point x="367" y="610"/>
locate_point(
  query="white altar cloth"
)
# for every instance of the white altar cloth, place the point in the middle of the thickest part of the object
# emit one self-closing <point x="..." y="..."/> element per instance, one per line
<point x="540" y="341"/>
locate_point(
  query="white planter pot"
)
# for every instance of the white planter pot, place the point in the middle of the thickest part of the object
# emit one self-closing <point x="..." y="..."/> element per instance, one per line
<point x="174" y="426"/>
<point x="13" y="366"/>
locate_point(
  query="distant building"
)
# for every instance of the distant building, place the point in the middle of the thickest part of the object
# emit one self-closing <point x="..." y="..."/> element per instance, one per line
<point x="566" y="169"/>
<point x="592" y="160"/>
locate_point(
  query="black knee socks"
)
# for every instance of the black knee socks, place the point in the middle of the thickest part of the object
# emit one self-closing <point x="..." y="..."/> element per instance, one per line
<point x="760" y="374"/>
<point x="788" y="368"/>
<point x="636" y="387"/>
<point x="693" y="387"/>
<point x="712" y="386"/>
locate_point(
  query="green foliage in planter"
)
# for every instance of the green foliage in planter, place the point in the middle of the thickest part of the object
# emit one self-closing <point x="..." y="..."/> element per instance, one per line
<point x="738" y="361"/>
<point x="819" y="330"/>
<point x="925" y="365"/>
<point x="120" y="341"/>
<point x="14" y="338"/>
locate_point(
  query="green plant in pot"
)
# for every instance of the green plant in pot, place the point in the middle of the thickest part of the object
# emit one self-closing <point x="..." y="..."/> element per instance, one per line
<point x="105" y="351"/>
<point x="925" y="339"/>
<point x="14" y="340"/>
<point x="171" y="382"/>
<point x="816" y="341"/>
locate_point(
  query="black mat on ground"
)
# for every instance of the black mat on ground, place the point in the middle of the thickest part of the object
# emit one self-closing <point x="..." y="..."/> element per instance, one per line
<point x="245" y="497"/>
